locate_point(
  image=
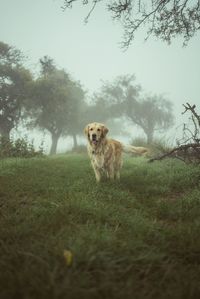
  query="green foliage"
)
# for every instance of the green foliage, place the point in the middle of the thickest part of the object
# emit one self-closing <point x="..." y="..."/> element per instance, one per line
<point x="109" y="101"/>
<point x="14" y="82"/>
<point x="56" y="102"/>
<point x="18" y="148"/>
<point x="47" y="65"/>
<point x="10" y="55"/>
<point x="152" y="113"/>
<point x="123" y="97"/>
<point x="138" y="238"/>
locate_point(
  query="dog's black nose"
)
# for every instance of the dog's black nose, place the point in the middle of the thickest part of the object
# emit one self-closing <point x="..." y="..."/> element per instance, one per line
<point x="94" y="136"/>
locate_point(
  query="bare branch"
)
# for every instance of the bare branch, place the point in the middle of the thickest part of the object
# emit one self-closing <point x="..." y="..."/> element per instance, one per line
<point x="91" y="10"/>
<point x="192" y="109"/>
<point x="68" y="4"/>
<point x="181" y="152"/>
<point x="189" y="151"/>
<point x="166" y="19"/>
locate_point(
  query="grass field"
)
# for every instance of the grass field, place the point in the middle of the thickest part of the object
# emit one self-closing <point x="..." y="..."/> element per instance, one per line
<point x="137" y="238"/>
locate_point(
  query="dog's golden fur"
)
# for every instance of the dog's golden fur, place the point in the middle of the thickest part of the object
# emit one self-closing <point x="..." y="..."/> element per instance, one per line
<point x="106" y="154"/>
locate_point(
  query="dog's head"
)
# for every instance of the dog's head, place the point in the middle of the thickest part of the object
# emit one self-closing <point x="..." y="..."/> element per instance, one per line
<point x="95" y="132"/>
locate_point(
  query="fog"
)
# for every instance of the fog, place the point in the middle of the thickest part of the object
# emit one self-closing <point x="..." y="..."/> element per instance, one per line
<point x="91" y="53"/>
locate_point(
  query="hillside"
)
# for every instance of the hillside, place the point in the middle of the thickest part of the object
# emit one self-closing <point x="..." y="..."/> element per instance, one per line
<point x="137" y="238"/>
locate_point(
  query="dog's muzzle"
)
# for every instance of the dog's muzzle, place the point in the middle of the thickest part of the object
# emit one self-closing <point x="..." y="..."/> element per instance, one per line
<point x="94" y="136"/>
<point x="94" y="139"/>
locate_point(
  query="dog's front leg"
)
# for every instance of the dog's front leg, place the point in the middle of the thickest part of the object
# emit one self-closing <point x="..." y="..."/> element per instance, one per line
<point x="117" y="175"/>
<point x="97" y="173"/>
<point x="110" y="172"/>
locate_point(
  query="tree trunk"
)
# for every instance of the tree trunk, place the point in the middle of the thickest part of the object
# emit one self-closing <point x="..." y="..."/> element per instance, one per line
<point x="5" y="133"/>
<point x="54" y="144"/>
<point x="149" y="134"/>
<point x="75" y="141"/>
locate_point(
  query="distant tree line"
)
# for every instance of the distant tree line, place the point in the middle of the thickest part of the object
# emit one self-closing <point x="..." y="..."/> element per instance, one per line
<point x="56" y="102"/>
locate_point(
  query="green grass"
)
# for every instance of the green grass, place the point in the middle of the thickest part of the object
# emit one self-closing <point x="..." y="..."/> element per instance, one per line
<point x="137" y="238"/>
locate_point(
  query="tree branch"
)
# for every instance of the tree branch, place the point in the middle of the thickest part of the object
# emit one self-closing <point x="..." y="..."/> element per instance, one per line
<point x="176" y="152"/>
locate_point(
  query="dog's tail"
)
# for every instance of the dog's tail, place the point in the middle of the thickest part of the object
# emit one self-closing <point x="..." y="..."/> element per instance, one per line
<point x="137" y="150"/>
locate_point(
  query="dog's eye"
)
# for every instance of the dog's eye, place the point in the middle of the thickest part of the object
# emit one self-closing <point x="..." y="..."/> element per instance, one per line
<point x="98" y="130"/>
<point x="91" y="129"/>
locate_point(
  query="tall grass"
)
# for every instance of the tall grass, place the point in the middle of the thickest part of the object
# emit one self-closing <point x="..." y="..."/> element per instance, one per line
<point x="137" y="238"/>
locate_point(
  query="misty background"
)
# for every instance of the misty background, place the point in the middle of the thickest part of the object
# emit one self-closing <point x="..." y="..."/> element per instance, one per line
<point x="91" y="54"/>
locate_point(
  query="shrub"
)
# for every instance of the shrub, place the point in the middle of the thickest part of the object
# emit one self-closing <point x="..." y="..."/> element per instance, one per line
<point x="160" y="146"/>
<point x="20" y="147"/>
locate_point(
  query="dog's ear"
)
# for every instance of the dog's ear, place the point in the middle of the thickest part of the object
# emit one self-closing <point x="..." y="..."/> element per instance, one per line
<point x="86" y="130"/>
<point x="104" y="130"/>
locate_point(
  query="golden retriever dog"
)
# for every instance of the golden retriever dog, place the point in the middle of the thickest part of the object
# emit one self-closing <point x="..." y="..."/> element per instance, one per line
<point x="106" y="154"/>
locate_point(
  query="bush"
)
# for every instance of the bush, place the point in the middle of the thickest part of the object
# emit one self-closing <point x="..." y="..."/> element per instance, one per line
<point x="160" y="146"/>
<point x="18" y="148"/>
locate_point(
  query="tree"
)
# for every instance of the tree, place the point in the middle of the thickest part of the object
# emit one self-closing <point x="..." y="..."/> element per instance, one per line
<point x="76" y="120"/>
<point x="151" y="113"/>
<point x="47" y="65"/>
<point x="108" y="103"/>
<point x="165" y="19"/>
<point x="14" y="81"/>
<point x="54" y="101"/>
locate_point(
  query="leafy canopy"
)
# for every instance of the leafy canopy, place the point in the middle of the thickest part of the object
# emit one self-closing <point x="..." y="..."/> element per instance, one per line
<point x="14" y="82"/>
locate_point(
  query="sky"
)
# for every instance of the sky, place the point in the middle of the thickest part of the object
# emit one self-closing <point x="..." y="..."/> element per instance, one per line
<point x="91" y="52"/>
